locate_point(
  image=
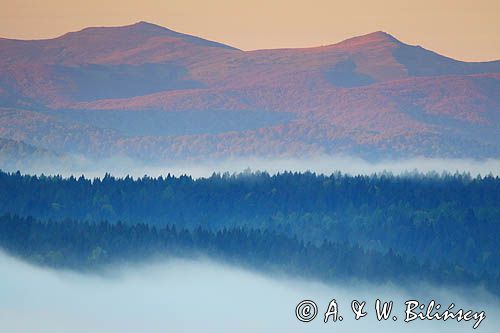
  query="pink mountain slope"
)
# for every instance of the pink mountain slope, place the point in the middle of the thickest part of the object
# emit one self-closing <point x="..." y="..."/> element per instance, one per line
<point x="149" y="92"/>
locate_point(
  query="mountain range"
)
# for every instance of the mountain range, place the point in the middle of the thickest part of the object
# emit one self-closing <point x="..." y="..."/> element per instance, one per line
<point x="150" y="93"/>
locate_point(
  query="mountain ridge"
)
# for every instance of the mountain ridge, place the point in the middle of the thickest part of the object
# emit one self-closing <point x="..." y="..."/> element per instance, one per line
<point x="369" y="92"/>
<point x="152" y="28"/>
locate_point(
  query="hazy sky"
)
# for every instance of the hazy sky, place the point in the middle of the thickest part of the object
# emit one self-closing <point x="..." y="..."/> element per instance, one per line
<point x="462" y="29"/>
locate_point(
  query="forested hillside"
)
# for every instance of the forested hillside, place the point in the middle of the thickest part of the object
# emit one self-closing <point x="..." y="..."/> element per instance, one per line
<point x="437" y="220"/>
<point x="84" y="246"/>
<point x="371" y="96"/>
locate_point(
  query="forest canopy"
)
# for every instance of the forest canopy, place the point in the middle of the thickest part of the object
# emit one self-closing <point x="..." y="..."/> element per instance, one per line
<point x="382" y="225"/>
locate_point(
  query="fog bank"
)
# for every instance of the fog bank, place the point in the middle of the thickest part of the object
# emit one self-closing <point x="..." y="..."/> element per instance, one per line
<point x="200" y="296"/>
<point x="122" y="166"/>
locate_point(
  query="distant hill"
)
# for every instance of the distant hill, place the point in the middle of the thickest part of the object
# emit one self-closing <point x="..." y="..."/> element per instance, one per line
<point x="17" y="154"/>
<point x="105" y="91"/>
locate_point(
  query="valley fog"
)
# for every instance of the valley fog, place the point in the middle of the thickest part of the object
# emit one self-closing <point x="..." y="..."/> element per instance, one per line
<point x="203" y="296"/>
<point x="323" y="164"/>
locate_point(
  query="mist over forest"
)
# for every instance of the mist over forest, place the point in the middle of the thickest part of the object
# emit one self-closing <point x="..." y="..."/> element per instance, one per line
<point x="155" y="181"/>
<point x="373" y="230"/>
<point x="77" y="165"/>
<point x="192" y="296"/>
<point x="384" y="227"/>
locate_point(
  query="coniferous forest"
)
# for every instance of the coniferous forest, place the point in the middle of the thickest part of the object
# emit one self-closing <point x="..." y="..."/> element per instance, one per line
<point x="435" y="228"/>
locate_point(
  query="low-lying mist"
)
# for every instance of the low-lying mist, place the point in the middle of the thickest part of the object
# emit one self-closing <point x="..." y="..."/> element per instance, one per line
<point x="203" y="296"/>
<point x="324" y="164"/>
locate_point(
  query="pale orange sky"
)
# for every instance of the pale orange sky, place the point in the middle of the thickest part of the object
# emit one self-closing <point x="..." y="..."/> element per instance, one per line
<point x="464" y="30"/>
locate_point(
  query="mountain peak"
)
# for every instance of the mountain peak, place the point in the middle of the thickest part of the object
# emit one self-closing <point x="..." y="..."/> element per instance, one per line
<point x="379" y="35"/>
<point x="138" y="27"/>
<point x="140" y="30"/>
<point x="150" y="27"/>
<point x="147" y="24"/>
<point x="373" y="37"/>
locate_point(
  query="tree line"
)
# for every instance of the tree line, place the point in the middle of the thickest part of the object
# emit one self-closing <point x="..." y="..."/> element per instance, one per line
<point x="438" y="220"/>
<point x="88" y="246"/>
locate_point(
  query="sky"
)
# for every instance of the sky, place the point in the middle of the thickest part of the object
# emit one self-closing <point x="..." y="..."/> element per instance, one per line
<point x="464" y="30"/>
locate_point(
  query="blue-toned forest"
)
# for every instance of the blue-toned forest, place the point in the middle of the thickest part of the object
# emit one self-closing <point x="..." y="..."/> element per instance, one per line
<point x="435" y="228"/>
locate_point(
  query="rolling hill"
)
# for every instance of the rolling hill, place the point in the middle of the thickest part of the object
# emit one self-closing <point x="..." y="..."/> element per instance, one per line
<point x="148" y="92"/>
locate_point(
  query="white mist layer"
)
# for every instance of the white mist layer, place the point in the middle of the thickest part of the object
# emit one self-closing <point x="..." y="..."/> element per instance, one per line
<point x="120" y="166"/>
<point x="200" y="296"/>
